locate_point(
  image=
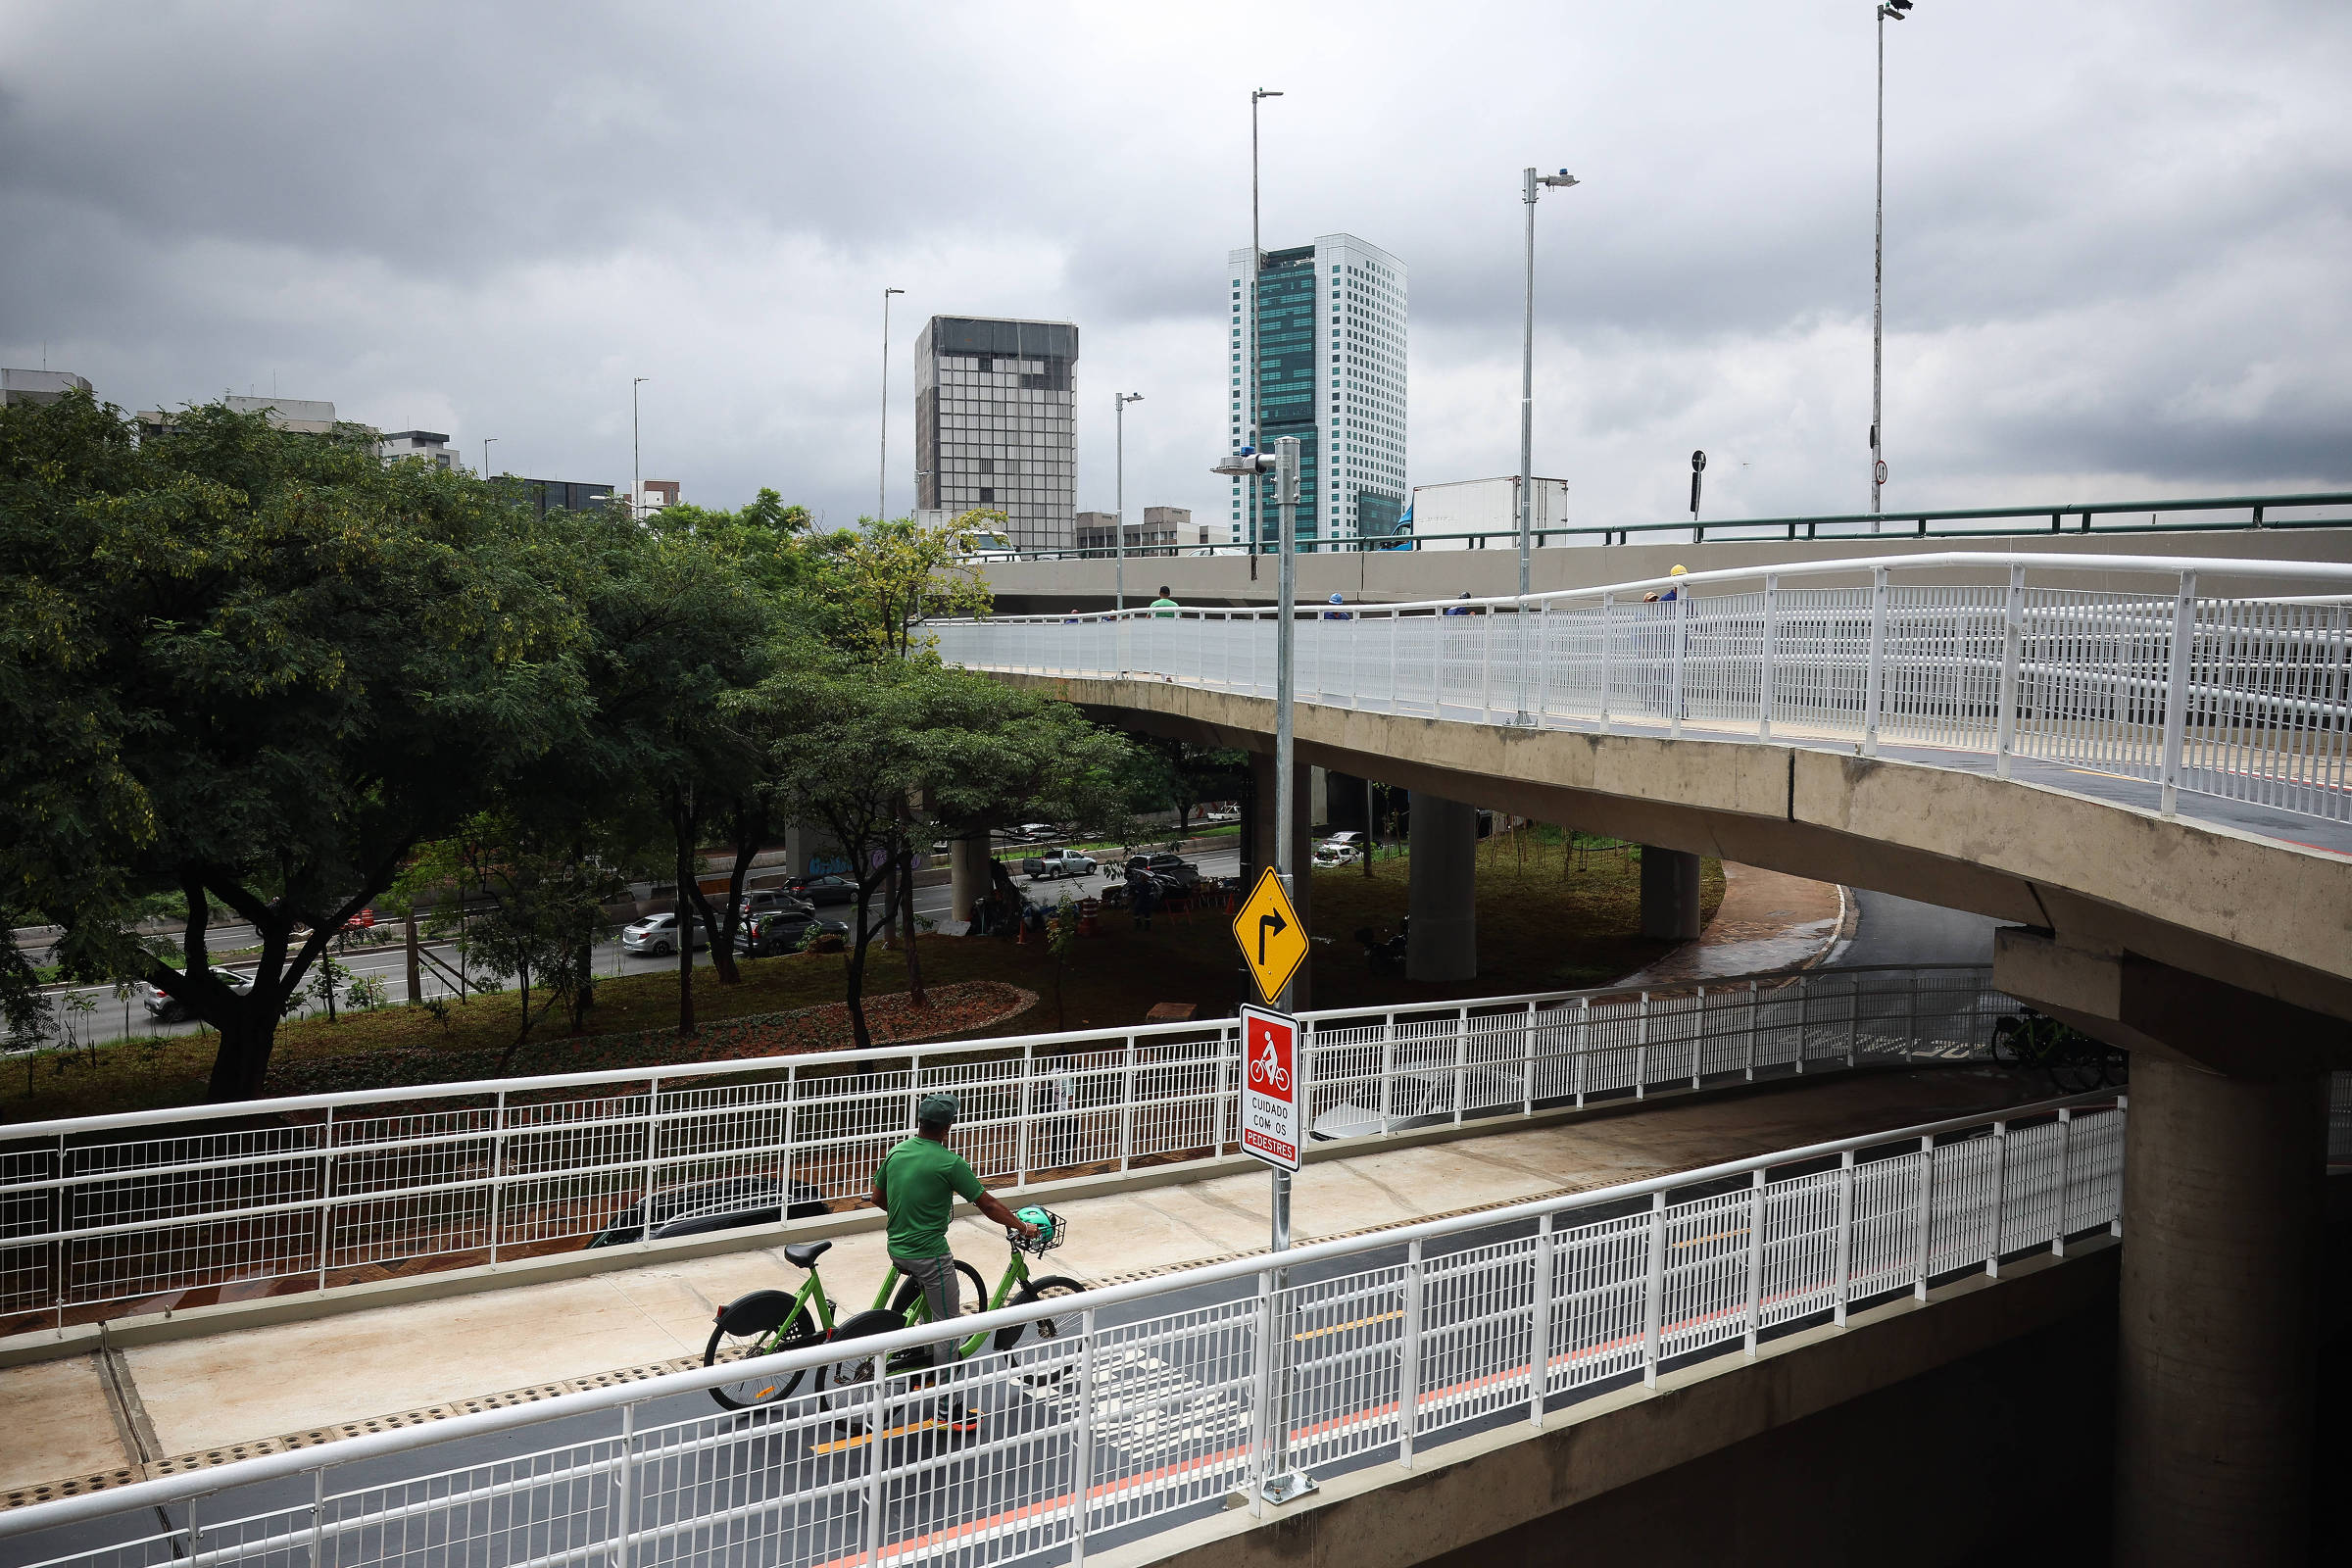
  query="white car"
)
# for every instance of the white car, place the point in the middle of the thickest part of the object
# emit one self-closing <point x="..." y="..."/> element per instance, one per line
<point x="164" y="1008"/>
<point x="658" y="933"/>
<point x="1421" y="1099"/>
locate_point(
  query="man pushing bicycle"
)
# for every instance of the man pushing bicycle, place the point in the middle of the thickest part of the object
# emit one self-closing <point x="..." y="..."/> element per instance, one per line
<point x="917" y="1184"/>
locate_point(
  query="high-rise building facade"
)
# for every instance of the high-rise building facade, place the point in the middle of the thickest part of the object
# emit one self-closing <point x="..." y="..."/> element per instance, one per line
<point x="993" y="424"/>
<point x="1330" y="371"/>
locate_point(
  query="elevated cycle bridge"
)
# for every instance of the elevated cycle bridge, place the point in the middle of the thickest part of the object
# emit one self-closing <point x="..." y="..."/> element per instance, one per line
<point x="2138" y="762"/>
<point x="1393" y="1344"/>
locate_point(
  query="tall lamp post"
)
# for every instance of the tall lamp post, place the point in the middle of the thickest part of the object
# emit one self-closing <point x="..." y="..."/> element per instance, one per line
<point x="1120" y="401"/>
<point x="1249" y="360"/>
<point x="882" y="476"/>
<point x="1534" y="185"/>
<point x="1889" y="11"/>
<point x="486" y="440"/>
<point x="1282" y="1483"/>
<point x="636" y="462"/>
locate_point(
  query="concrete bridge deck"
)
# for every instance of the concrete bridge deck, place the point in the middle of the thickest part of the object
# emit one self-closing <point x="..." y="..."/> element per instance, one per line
<point x="160" y="1408"/>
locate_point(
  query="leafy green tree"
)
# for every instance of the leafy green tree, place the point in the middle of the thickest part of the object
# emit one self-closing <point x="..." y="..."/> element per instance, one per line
<point x="886" y="755"/>
<point x="254" y="669"/>
<point x="1184" y="774"/>
<point x="870" y="588"/>
<point x="328" y="977"/>
<point x="764" y="540"/>
<point x="527" y="903"/>
<point x="680" y="628"/>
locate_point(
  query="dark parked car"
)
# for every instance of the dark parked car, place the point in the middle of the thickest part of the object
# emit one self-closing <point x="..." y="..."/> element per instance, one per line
<point x="164" y="1008"/>
<point x="721" y="1205"/>
<point x="768" y="900"/>
<point x="1169" y="870"/>
<point x="781" y="931"/>
<point x="824" y="889"/>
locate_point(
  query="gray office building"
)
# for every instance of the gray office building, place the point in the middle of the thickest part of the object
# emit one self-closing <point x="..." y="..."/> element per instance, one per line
<point x="39" y="386"/>
<point x="993" y="424"/>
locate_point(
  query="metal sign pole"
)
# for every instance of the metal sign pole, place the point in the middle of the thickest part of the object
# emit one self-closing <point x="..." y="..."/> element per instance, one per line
<point x="1282" y="1483"/>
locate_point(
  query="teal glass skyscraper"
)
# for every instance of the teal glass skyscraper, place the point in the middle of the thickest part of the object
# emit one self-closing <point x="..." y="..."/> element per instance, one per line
<point x="1331" y="370"/>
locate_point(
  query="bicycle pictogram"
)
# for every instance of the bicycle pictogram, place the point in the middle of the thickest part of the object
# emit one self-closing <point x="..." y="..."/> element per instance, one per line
<point x="1267" y="1069"/>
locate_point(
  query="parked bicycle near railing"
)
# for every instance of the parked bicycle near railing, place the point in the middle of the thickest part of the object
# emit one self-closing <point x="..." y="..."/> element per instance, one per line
<point x="2075" y="1062"/>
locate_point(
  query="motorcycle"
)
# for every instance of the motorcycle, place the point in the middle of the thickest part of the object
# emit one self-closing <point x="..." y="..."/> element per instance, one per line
<point x="1384" y="954"/>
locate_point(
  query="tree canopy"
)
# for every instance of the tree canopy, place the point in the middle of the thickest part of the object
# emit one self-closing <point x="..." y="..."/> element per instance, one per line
<point x="261" y="678"/>
<point x="273" y="665"/>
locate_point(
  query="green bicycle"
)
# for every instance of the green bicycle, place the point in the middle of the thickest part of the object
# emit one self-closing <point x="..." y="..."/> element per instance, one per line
<point x="772" y="1322"/>
<point x="2073" y="1061"/>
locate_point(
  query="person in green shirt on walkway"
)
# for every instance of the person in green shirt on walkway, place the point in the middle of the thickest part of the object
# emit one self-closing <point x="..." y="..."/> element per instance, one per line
<point x="1163" y="607"/>
<point x="917" y="1184"/>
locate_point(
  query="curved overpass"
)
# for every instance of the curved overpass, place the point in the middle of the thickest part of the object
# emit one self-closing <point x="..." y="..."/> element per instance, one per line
<point x="2147" y="758"/>
<point x="2144" y="763"/>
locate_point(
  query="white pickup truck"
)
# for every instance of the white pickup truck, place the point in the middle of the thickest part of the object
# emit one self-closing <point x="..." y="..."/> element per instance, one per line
<point x="1058" y="863"/>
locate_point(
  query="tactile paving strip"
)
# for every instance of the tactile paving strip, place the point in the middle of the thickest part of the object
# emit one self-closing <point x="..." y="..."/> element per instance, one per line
<point x="314" y="1437"/>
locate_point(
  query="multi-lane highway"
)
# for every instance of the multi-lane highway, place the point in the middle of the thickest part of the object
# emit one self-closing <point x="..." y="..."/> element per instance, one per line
<point x="111" y="1016"/>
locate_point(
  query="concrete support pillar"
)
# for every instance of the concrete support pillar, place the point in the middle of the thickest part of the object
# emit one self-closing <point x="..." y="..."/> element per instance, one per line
<point x="1669" y="894"/>
<point x="2223" y="1206"/>
<point x="1257" y="821"/>
<point x="1443" y="941"/>
<point x="967" y="876"/>
<point x="1344" y="803"/>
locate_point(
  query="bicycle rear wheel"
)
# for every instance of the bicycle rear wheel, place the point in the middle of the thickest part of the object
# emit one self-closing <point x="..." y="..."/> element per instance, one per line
<point x="794" y="1332"/>
<point x="2077" y="1067"/>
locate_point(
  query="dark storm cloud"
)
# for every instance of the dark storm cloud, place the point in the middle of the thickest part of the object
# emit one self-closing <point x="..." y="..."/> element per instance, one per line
<point x="2115" y="231"/>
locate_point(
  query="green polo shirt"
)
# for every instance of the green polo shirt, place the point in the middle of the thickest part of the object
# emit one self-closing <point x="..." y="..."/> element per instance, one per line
<point x="1163" y="609"/>
<point x="920" y="1181"/>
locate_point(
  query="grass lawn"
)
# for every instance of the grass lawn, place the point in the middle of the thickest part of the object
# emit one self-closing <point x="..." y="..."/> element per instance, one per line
<point x="1542" y="925"/>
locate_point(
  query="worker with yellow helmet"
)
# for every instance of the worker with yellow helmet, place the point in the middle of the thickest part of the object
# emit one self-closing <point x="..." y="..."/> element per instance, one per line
<point x="1674" y="592"/>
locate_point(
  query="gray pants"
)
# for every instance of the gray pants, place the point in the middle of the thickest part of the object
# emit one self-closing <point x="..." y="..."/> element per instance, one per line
<point x="937" y="1276"/>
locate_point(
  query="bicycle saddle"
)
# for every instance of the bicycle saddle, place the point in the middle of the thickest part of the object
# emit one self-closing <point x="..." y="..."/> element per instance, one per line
<point x="803" y="1255"/>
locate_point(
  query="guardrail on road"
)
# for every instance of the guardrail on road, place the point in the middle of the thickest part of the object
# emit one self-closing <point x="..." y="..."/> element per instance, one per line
<point x="106" y="1216"/>
<point x="2247" y="698"/>
<point x="1162" y="1398"/>
<point x="2201" y="515"/>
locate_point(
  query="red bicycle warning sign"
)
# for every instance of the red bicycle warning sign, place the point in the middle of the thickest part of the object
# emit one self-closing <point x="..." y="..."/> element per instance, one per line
<point x="1270" y="1086"/>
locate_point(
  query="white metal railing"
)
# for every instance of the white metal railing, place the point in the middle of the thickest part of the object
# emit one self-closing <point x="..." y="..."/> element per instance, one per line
<point x="2249" y="698"/>
<point x="104" y="1215"/>
<point x="1158" y="1405"/>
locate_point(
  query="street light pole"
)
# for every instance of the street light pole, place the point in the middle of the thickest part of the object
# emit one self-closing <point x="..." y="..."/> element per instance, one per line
<point x="882" y="474"/>
<point x="636" y="462"/>
<point x="1282" y="1483"/>
<point x="1249" y="361"/>
<point x="1889" y="11"/>
<point x="1533" y="187"/>
<point x="486" y="440"/>
<point x="1120" y="401"/>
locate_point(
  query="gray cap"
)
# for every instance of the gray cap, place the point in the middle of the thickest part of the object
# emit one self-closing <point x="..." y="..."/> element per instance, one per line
<point x="938" y="1109"/>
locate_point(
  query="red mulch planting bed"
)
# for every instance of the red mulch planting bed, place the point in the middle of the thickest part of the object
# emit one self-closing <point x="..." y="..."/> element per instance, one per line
<point x="893" y="1021"/>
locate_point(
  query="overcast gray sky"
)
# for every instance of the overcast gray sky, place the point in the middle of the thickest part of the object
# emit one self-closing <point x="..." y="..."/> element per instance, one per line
<point x="2117" y="233"/>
